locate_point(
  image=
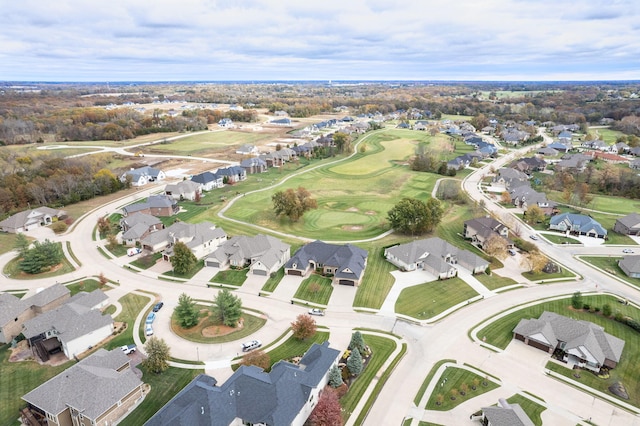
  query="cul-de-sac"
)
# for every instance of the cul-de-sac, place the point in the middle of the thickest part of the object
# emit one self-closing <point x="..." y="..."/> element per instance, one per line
<point x="320" y="254"/>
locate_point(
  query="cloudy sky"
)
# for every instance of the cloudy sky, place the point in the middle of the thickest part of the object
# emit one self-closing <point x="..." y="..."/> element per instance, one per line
<point x="162" y="40"/>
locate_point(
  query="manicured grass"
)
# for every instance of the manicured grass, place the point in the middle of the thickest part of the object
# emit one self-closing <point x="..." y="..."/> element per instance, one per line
<point x="164" y="386"/>
<point x="610" y="265"/>
<point x="560" y="239"/>
<point x="234" y="277"/>
<point x="533" y="409"/>
<point x="293" y="347"/>
<point x="19" y="378"/>
<point x="380" y="384"/>
<point x="109" y="310"/>
<point x="606" y="134"/>
<point x="429" y="299"/>
<point x="12" y="270"/>
<point x="494" y="281"/>
<point x="206" y="144"/>
<point x="7" y="242"/>
<point x="541" y="276"/>
<point x="191" y="211"/>
<point x="189" y="274"/>
<point x="118" y="250"/>
<point x="143" y="263"/>
<point x="252" y="323"/>
<point x="455" y="378"/>
<point x="87" y="285"/>
<point x="377" y="280"/>
<point x="132" y="304"/>
<point x="499" y="334"/>
<point x="319" y="297"/>
<point x="381" y="348"/>
<point x="428" y="379"/>
<point x="605" y="203"/>
<point x="272" y="282"/>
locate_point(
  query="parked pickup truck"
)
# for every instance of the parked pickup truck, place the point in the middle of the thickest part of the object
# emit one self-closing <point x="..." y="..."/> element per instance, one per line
<point x="128" y="349"/>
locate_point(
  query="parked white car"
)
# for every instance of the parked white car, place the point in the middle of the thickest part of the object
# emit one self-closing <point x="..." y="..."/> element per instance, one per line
<point x="148" y="331"/>
<point x="316" y="311"/>
<point x="627" y="250"/>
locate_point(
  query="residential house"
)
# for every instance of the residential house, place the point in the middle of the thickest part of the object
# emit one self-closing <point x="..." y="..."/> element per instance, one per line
<point x="73" y="328"/>
<point x="285" y="122"/>
<point x="248" y="149"/>
<point x="628" y="225"/>
<point x="254" y="165"/>
<point x="577" y="224"/>
<point x="232" y="174"/>
<point x="208" y="181"/>
<point x="99" y="390"/>
<point x="137" y="226"/>
<point x="504" y="414"/>
<point x="595" y="144"/>
<point x="285" y="396"/>
<point x="31" y="219"/>
<point x="528" y="165"/>
<point x="609" y="157"/>
<point x="630" y="265"/>
<point x="183" y="190"/>
<point x="226" y="123"/>
<point x="582" y="343"/>
<point x="561" y="146"/>
<point x="435" y="256"/>
<point x="524" y="197"/>
<point x="155" y="205"/>
<point x="565" y="135"/>
<point x="635" y="164"/>
<point x="575" y="163"/>
<point x="346" y="263"/>
<point x="509" y="177"/>
<point x="201" y="238"/>
<point x="273" y="159"/>
<point x="482" y="229"/>
<point x="263" y="254"/>
<point x="547" y="151"/>
<point x="635" y="151"/>
<point x="143" y="175"/>
<point x="14" y="312"/>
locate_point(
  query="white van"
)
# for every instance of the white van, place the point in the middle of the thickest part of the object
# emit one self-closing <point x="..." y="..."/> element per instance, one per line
<point x="249" y="346"/>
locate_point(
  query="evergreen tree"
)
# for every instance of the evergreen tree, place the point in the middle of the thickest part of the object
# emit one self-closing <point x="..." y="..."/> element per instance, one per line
<point x="354" y="363"/>
<point x="22" y="244"/>
<point x="41" y="257"/>
<point x="335" y="377"/>
<point x="186" y="311"/>
<point x="227" y="308"/>
<point x="357" y="343"/>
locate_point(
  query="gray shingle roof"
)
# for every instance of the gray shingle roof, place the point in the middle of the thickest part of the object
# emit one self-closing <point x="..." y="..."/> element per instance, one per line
<point x="48" y="295"/>
<point x="578" y="335"/>
<point x="433" y="251"/>
<point x="512" y="416"/>
<point x="78" y="385"/>
<point x="11" y="307"/>
<point x="631" y="220"/>
<point x="243" y="249"/>
<point x="342" y="257"/>
<point x="250" y="394"/>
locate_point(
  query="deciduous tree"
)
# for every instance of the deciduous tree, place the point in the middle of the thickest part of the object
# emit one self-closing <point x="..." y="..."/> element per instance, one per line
<point x="227" y="308"/>
<point x="328" y="411"/>
<point x="534" y="214"/>
<point x="258" y="357"/>
<point x="304" y="327"/>
<point x="186" y="312"/>
<point x="293" y="204"/>
<point x="158" y="354"/>
<point x="496" y="246"/>
<point x="534" y="261"/>
<point x="342" y="141"/>
<point x="412" y="216"/>
<point x="183" y="259"/>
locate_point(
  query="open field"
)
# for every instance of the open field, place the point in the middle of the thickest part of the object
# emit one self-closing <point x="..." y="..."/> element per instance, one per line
<point x="499" y="334"/>
<point x="208" y="144"/>
<point x="606" y="134"/>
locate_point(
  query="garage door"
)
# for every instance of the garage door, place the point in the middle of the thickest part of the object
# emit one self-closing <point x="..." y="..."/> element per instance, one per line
<point x="259" y="272"/>
<point x="213" y="263"/>
<point x="294" y="272"/>
<point x="346" y="282"/>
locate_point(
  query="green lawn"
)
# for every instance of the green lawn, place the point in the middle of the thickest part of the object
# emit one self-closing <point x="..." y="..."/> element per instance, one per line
<point x="541" y="276"/>
<point x="560" y="239"/>
<point x="382" y="349"/>
<point x="87" y="285"/>
<point x="533" y="409"/>
<point x="605" y="203"/>
<point x="272" y="282"/>
<point x="293" y="347"/>
<point x="11" y="269"/>
<point x="132" y="304"/>
<point x="17" y="379"/>
<point x="428" y="379"/>
<point x="377" y="280"/>
<point x="252" y="323"/>
<point x="606" y="134"/>
<point x="610" y="265"/>
<point x="499" y="333"/>
<point x="146" y="262"/>
<point x="207" y="144"/>
<point x="234" y="277"/>
<point x="198" y="266"/>
<point x="164" y="386"/>
<point x="320" y="296"/>
<point x="495" y="281"/>
<point x="450" y="393"/>
<point x="427" y="300"/>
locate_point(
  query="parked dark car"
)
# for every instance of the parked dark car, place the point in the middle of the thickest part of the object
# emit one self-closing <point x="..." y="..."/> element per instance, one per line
<point x="158" y="306"/>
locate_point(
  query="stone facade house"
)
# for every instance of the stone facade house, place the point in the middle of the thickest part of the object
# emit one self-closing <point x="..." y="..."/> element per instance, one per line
<point x="346" y="263"/>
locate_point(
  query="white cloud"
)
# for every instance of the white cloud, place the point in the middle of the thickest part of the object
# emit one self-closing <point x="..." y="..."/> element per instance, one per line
<point x="292" y="39"/>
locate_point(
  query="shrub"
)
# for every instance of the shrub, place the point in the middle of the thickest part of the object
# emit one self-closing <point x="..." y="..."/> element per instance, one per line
<point x="59" y="227"/>
<point x="606" y="310"/>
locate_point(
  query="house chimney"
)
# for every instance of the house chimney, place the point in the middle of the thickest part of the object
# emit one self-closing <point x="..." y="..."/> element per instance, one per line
<point x="503" y="403"/>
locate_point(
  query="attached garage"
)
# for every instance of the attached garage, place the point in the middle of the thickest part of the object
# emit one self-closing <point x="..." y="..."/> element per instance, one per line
<point x="212" y="262"/>
<point x="260" y="272"/>
<point x="346" y="282"/>
<point x="294" y="272"/>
